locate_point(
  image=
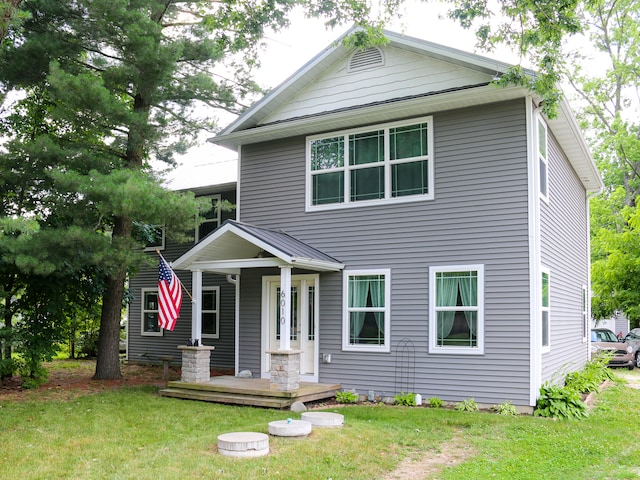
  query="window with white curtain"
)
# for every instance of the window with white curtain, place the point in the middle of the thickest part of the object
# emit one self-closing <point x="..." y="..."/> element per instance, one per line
<point x="384" y="163"/>
<point x="366" y="297"/>
<point x="456" y="309"/>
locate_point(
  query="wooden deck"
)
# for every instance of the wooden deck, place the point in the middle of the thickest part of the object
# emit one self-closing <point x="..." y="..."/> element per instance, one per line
<point x="248" y="391"/>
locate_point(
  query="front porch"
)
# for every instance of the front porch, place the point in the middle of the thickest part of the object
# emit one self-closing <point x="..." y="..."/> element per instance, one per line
<point x="256" y="392"/>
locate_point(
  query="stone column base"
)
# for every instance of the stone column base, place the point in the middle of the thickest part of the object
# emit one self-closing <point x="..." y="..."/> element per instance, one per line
<point x="285" y="370"/>
<point x="196" y="363"/>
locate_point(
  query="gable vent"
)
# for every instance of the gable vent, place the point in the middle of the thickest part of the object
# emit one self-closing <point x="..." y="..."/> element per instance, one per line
<point x="364" y="59"/>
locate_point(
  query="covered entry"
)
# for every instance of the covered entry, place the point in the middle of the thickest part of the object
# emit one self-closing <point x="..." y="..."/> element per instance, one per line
<point x="290" y="303"/>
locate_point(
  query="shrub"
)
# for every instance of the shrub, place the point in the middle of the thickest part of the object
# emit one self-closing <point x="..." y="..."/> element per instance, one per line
<point x="505" y="408"/>
<point x="346" y="397"/>
<point x="468" y="405"/>
<point x="435" y="402"/>
<point x="407" y="399"/>
<point x="591" y="376"/>
<point x="560" y="402"/>
<point x="9" y="367"/>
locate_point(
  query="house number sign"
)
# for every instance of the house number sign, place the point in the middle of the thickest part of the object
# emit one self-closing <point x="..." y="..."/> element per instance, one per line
<point x="282" y="303"/>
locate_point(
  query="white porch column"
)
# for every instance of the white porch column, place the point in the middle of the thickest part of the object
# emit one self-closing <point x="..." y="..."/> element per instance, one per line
<point x="285" y="308"/>
<point x="196" y="306"/>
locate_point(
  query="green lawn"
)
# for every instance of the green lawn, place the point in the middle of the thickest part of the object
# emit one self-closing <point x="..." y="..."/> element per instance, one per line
<point x="133" y="433"/>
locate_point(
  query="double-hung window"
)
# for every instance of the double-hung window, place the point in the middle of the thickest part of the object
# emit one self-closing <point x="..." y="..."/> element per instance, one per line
<point x="211" y="219"/>
<point x="543" y="160"/>
<point x="366" y="317"/>
<point x="545" y="321"/>
<point x="385" y="163"/>
<point x="154" y="236"/>
<point x="456" y="309"/>
<point x="150" y="325"/>
<point x="210" y="312"/>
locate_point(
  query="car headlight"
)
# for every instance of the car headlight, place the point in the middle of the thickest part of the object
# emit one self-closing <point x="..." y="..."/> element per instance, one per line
<point x="629" y="349"/>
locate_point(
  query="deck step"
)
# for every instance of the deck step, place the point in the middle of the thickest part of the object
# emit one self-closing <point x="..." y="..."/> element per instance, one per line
<point x="217" y="397"/>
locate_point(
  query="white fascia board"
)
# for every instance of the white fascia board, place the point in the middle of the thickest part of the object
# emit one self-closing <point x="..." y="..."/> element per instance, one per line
<point x="317" y="265"/>
<point x="233" y="266"/>
<point x="380" y="112"/>
<point x="568" y="132"/>
<point x="187" y="256"/>
<point x="452" y="55"/>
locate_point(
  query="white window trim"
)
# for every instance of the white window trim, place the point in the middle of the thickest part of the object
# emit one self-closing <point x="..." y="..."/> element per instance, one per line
<point x="216" y="311"/>
<point x="433" y="346"/>
<point x="346" y="346"/>
<point x="218" y="218"/>
<point x="545" y="348"/>
<point x="161" y="246"/>
<point x="143" y="311"/>
<point x="539" y="157"/>
<point x="387" y="163"/>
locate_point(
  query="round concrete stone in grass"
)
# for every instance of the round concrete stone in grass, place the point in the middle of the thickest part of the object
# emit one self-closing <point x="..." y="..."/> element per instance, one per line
<point x="323" y="419"/>
<point x="289" y="428"/>
<point x="243" y="444"/>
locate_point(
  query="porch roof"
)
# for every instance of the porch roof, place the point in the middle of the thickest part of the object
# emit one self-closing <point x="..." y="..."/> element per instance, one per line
<point x="236" y="245"/>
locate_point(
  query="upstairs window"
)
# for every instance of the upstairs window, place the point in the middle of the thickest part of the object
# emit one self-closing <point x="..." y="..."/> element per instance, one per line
<point x="387" y="163"/>
<point x="543" y="162"/>
<point x="211" y="218"/>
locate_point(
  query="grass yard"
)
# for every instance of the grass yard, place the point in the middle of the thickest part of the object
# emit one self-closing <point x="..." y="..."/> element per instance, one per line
<point x="132" y="433"/>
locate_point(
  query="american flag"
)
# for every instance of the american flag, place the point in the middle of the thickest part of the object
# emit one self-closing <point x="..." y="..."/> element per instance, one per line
<point x="169" y="296"/>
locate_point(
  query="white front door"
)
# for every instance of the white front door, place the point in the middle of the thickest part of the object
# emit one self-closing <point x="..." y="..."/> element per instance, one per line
<point x="304" y="325"/>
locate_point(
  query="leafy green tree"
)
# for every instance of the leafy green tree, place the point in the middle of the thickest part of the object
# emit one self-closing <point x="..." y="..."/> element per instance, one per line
<point x="609" y="116"/>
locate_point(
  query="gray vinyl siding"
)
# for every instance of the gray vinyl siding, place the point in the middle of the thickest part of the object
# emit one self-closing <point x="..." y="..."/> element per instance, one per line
<point x="147" y="349"/>
<point x="479" y="216"/>
<point x="565" y="252"/>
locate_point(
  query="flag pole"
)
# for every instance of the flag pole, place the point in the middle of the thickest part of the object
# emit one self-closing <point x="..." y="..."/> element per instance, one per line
<point x="177" y="278"/>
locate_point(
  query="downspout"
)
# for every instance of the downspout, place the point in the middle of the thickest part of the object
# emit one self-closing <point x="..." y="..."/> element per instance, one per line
<point x="235" y="280"/>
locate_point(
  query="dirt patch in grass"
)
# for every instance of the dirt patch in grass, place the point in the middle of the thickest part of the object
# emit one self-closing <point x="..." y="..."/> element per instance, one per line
<point x="71" y="378"/>
<point x="424" y="465"/>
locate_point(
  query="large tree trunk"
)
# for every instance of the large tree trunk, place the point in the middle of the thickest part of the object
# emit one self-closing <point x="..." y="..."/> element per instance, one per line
<point x="108" y="361"/>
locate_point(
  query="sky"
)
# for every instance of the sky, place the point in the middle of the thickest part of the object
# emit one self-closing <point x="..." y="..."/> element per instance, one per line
<point x="290" y="49"/>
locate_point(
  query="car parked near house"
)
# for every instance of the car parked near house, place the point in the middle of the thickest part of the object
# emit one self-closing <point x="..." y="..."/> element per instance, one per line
<point x="603" y="339"/>
<point x="633" y="339"/>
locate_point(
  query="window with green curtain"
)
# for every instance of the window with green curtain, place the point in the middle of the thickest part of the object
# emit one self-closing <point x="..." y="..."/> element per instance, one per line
<point x="366" y="148"/>
<point x="367" y="184"/>
<point x="457" y="308"/>
<point x="384" y="163"/>
<point x="328" y="188"/>
<point x="411" y="178"/>
<point x="366" y="309"/>
<point x="409" y="141"/>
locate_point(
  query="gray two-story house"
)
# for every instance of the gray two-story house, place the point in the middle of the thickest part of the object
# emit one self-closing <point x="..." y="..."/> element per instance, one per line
<point x="402" y="223"/>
